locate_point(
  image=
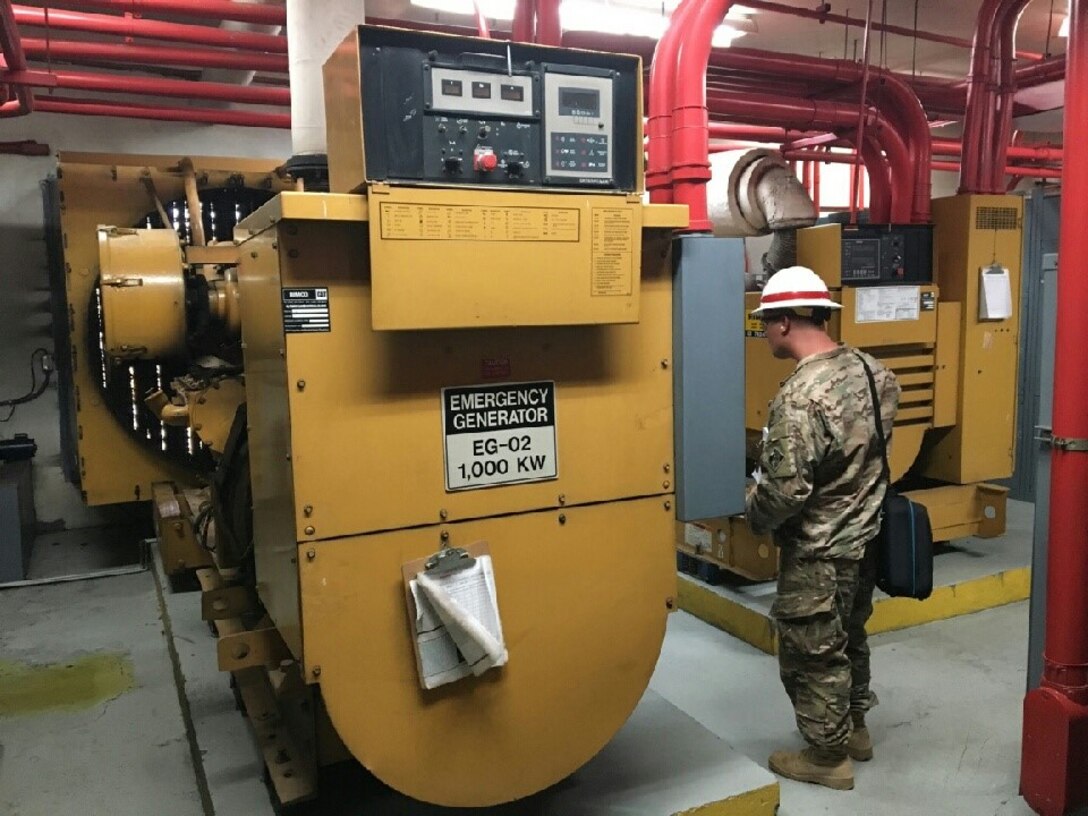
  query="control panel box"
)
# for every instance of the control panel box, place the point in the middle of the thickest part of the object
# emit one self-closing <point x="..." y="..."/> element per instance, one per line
<point x="874" y="254"/>
<point x="423" y="108"/>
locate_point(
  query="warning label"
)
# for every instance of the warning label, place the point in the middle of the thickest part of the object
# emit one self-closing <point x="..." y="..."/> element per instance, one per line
<point x="753" y="327"/>
<point x="613" y="251"/>
<point x="446" y="222"/>
<point x="499" y="434"/>
<point x="306" y="310"/>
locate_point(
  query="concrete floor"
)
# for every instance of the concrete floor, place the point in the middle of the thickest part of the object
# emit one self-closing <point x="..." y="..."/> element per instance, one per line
<point x="947" y="732"/>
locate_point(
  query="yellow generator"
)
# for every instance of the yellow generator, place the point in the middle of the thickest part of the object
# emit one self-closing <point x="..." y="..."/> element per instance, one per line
<point x="940" y="306"/>
<point x="477" y="384"/>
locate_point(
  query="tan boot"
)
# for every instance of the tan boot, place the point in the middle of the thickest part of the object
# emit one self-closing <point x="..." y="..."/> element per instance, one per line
<point x="816" y="766"/>
<point x="860" y="744"/>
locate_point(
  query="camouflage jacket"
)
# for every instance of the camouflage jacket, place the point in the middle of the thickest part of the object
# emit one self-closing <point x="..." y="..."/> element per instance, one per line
<point x="822" y="485"/>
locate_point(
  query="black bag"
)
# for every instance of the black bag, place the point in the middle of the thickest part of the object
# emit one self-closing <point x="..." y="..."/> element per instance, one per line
<point x="904" y="546"/>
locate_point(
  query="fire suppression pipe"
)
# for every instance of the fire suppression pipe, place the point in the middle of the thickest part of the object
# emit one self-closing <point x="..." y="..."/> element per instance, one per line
<point x="150" y="29"/>
<point x="258" y="13"/>
<point x="689" y="163"/>
<point x="996" y="21"/>
<point x="524" y="21"/>
<point x="659" y="121"/>
<point x="549" y="31"/>
<point x="826" y="17"/>
<point x="11" y="46"/>
<point x="131" y="54"/>
<point x="814" y="114"/>
<point x="1054" y="762"/>
<point x="115" y="83"/>
<point x="132" y="110"/>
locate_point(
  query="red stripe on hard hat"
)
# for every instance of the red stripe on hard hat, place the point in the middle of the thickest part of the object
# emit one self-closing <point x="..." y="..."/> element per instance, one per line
<point x="779" y="296"/>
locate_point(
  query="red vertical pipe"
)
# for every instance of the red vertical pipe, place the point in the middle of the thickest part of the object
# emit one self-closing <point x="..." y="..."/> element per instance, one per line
<point x="1003" y="125"/>
<point x="659" y="119"/>
<point x="690" y="164"/>
<point x="880" y="183"/>
<point x="1054" y="761"/>
<point x="13" y="56"/>
<point x="816" y="186"/>
<point x="524" y="21"/>
<point x="977" y="80"/>
<point x="481" y="21"/>
<point x="548" y="28"/>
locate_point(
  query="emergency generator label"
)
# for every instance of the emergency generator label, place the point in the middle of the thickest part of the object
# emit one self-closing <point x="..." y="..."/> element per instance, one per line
<point x="306" y="310"/>
<point x="499" y="434"/>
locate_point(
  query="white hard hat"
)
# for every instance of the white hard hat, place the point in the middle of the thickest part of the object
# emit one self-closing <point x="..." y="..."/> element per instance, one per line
<point x="794" y="287"/>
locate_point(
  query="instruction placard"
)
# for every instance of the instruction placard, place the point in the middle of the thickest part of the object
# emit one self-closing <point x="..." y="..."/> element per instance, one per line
<point x="885" y="304"/>
<point x="306" y="310"/>
<point x="499" y="434"/>
<point x="613" y="252"/>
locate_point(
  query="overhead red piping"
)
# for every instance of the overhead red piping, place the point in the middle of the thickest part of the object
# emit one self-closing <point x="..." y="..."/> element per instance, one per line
<point x="12" y="49"/>
<point x="259" y="13"/>
<point x="548" y="29"/>
<point x="117" y="83"/>
<point x="689" y="137"/>
<point x="130" y="110"/>
<point x="659" y="119"/>
<point x="814" y="114"/>
<point x="131" y="54"/>
<point x="826" y="17"/>
<point x="481" y="21"/>
<point x="1026" y="171"/>
<point x="150" y="29"/>
<point x="859" y="139"/>
<point x="880" y="182"/>
<point x="524" y="21"/>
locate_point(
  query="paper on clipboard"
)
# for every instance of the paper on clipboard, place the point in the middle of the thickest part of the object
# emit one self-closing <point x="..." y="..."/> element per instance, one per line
<point x="995" y="293"/>
<point x="456" y="624"/>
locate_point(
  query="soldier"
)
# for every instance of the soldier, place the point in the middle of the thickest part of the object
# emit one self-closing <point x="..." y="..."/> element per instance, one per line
<point x="818" y="489"/>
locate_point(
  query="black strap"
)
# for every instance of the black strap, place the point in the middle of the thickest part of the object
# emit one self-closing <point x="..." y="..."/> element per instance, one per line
<point x="879" y="417"/>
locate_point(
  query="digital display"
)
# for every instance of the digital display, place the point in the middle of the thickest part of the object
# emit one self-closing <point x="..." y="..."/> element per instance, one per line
<point x="481" y="90"/>
<point x="512" y="93"/>
<point x="579" y="102"/>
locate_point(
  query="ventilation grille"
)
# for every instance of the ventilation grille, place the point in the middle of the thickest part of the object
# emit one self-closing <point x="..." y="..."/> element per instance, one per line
<point x="996" y="218"/>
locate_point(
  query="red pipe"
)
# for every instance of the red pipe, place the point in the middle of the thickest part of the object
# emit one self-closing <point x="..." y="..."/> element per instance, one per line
<point x="813" y="114"/>
<point x="978" y="94"/>
<point x="1054" y="759"/>
<point x="12" y="49"/>
<point x="150" y="29"/>
<point x="548" y="29"/>
<point x="524" y="18"/>
<point x="880" y="183"/>
<point x="824" y="17"/>
<point x="862" y="147"/>
<point x="1011" y="170"/>
<point x="1002" y="129"/>
<point x="950" y="147"/>
<point x="689" y="137"/>
<point x="481" y="21"/>
<point x="202" y="9"/>
<point x="659" y="120"/>
<point x="125" y="52"/>
<point x="115" y="83"/>
<point x="129" y="110"/>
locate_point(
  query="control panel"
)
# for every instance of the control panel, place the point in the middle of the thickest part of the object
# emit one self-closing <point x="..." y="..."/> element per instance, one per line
<point x="885" y="253"/>
<point x="439" y="109"/>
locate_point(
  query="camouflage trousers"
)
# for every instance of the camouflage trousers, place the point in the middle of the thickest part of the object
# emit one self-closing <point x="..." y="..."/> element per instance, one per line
<point x="823" y="652"/>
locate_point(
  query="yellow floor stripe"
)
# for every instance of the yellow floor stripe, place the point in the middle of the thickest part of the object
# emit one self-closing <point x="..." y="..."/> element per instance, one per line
<point x="759" y="802"/>
<point x="889" y="614"/>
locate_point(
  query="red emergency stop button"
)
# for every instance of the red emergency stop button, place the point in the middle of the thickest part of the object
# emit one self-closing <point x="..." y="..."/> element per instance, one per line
<point x="484" y="160"/>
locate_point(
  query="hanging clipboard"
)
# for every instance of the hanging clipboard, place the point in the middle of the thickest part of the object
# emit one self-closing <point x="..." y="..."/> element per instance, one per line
<point x="453" y="620"/>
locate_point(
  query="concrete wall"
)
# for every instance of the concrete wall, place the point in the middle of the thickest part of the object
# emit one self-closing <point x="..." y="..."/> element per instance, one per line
<point x="24" y="290"/>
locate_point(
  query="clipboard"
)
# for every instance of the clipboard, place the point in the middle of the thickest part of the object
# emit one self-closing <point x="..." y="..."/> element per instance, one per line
<point x="443" y="562"/>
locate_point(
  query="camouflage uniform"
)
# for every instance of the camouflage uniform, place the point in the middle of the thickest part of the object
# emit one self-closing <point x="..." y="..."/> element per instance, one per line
<point x="820" y="496"/>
